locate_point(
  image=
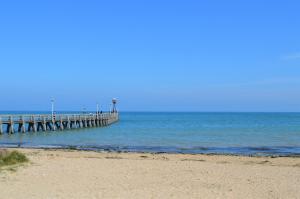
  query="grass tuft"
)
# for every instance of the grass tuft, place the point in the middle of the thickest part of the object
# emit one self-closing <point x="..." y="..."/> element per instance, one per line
<point x="11" y="158"/>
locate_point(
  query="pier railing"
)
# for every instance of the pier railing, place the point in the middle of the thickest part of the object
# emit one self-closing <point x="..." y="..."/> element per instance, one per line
<point x="48" y="122"/>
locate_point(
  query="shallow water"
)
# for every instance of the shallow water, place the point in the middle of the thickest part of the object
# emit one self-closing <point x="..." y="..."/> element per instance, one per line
<point x="229" y="133"/>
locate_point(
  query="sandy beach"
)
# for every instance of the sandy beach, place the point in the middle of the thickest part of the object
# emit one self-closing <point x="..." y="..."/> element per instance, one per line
<point x="80" y="174"/>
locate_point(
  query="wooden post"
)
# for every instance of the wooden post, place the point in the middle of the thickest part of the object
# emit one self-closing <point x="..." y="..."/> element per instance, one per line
<point x="20" y="124"/>
<point x="44" y="123"/>
<point x="75" y="121"/>
<point x="48" y="126"/>
<point x="34" y="124"/>
<point x="11" y="124"/>
<point x="85" y="121"/>
<point x="91" y="121"/>
<point x="88" y="123"/>
<point x="79" y="121"/>
<point x="68" y="122"/>
<point x="96" y="119"/>
<point x="53" y="123"/>
<point x="23" y="128"/>
<point x="61" y="125"/>
<point x="99" y="120"/>
<point x="72" y="125"/>
<point x="39" y="123"/>
<point x="102" y="120"/>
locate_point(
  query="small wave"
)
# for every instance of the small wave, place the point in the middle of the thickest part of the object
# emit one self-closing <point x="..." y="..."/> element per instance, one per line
<point x="194" y="148"/>
<point x="262" y="148"/>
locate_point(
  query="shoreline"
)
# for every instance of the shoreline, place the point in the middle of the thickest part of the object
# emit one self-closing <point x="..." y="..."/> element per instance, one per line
<point x="62" y="173"/>
<point x="204" y="150"/>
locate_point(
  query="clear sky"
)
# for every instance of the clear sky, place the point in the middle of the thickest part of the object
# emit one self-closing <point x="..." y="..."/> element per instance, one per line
<point x="158" y="55"/>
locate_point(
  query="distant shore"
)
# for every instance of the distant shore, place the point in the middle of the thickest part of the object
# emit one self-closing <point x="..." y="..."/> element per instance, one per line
<point x="61" y="173"/>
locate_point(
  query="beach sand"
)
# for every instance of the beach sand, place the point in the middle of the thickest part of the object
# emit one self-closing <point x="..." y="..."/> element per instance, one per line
<point x="80" y="174"/>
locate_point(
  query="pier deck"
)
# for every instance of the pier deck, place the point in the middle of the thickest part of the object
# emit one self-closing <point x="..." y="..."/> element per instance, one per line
<point x="35" y="123"/>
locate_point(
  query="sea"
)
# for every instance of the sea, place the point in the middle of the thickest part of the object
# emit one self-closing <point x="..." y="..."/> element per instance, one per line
<point x="250" y="134"/>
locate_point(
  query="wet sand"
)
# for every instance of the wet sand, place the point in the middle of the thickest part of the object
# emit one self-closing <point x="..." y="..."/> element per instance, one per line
<point x="80" y="174"/>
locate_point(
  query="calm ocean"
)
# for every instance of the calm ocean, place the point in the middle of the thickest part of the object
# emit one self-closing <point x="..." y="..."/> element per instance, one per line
<point x="226" y="133"/>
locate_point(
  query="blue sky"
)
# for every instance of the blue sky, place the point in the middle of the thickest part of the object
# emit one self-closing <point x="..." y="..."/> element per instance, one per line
<point x="158" y="55"/>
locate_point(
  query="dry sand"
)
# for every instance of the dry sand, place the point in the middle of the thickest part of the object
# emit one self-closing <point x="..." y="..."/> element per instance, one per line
<point x="79" y="174"/>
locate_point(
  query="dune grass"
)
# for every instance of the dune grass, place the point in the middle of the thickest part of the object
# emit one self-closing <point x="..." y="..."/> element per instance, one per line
<point x="8" y="158"/>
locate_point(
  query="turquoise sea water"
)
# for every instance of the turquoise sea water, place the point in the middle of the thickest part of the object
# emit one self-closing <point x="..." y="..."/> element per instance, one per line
<point x="230" y="133"/>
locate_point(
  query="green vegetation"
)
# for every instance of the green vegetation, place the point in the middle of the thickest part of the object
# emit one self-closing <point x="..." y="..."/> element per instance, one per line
<point x="11" y="158"/>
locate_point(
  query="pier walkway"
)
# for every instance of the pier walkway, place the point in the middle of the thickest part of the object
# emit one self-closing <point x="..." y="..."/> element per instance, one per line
<point x="35" y="123"/>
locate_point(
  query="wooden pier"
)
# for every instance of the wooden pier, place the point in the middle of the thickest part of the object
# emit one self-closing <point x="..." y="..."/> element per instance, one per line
<point x="35" y="123"/>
